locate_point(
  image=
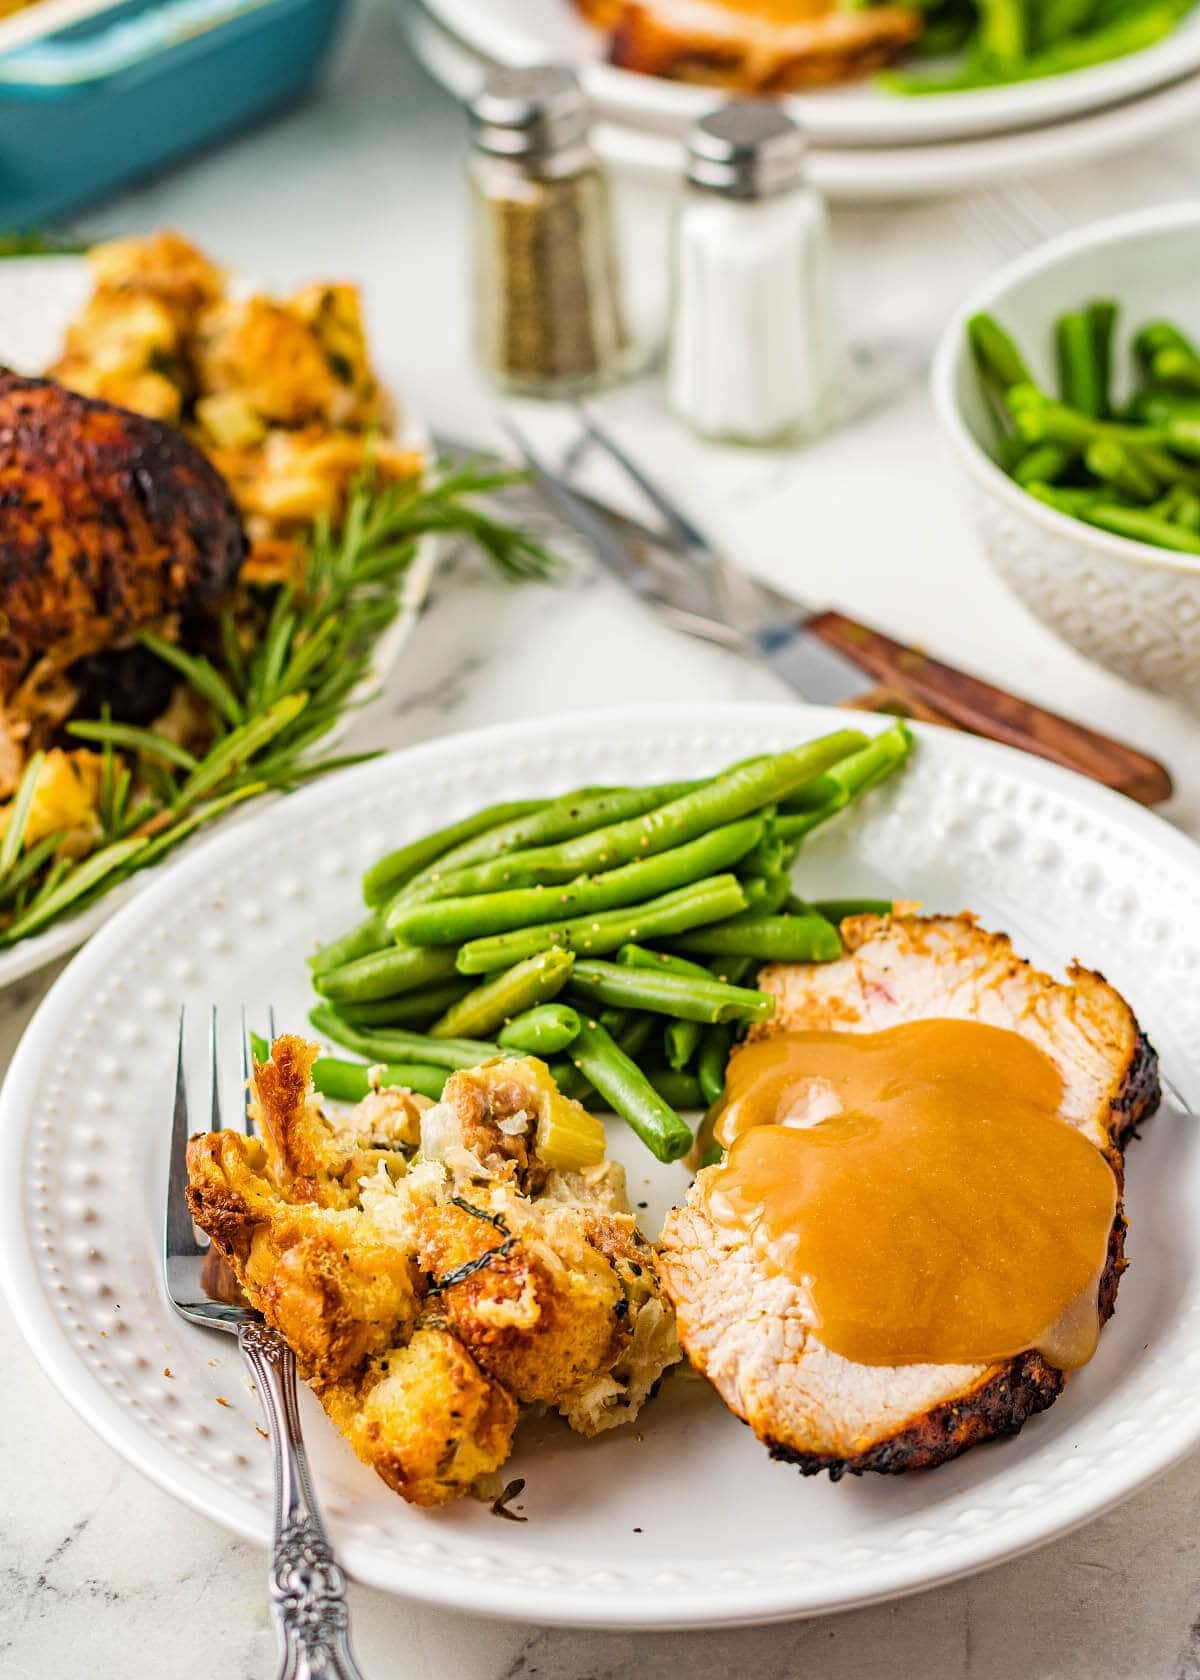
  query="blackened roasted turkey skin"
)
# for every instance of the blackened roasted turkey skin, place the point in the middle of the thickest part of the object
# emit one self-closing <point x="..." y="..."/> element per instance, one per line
<point x="743" y="1326"/>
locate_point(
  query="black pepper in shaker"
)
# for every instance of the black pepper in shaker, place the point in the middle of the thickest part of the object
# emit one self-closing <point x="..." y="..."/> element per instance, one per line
<point x="548" y="317"/>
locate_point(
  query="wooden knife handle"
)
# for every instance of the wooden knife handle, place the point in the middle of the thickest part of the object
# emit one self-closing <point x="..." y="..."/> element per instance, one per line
<point x="913" y="685"/>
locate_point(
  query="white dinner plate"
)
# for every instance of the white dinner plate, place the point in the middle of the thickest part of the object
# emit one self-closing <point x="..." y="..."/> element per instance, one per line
<point x="859" y="114"/>
<point x="38" y="298"/>
<point x="859" y="175"/>
<point x="682" y="1520"/>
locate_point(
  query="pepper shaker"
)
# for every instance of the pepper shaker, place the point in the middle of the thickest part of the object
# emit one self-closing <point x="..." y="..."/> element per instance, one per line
<point x="548" y="317"/>
<point x="750" y="350"/>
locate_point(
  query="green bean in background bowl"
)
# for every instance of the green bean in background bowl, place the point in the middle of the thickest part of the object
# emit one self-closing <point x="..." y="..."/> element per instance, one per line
<point x="1079" y="443"/>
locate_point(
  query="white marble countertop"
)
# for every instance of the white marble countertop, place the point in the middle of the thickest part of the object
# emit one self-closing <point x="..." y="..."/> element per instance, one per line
<point x="102" y="1577"/>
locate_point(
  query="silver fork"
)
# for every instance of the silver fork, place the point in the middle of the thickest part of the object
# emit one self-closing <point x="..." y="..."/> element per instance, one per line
<point x="307" y="1585"/>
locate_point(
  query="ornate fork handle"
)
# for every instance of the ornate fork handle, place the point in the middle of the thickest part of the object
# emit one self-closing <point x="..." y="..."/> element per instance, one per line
<point x="308" y="1588"/>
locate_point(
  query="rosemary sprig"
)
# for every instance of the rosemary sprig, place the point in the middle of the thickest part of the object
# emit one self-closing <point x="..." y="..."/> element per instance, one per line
<point x="268" y="707"/>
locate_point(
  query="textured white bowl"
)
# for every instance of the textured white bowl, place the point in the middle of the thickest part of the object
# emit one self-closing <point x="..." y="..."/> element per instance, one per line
<point x="1131" y="607"/>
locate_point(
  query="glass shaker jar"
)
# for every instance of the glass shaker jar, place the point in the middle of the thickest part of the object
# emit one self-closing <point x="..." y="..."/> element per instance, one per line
<point x="548" y="318"/>
<point x="750" y="352"/>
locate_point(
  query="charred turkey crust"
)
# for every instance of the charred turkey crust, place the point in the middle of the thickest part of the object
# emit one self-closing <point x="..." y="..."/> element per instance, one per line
<point x="110" y="521"/>
<point x="1005" y="1396"/>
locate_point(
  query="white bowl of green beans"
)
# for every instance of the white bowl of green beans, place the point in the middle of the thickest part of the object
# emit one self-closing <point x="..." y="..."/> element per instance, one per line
<point x="1069" y="390"/>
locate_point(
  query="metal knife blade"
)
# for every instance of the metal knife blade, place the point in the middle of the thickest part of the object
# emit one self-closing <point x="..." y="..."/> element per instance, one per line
<point x="766" y="623"/>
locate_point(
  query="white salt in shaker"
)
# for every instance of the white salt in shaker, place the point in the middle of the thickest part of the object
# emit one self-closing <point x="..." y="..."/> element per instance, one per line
<point x="750" y="356"/>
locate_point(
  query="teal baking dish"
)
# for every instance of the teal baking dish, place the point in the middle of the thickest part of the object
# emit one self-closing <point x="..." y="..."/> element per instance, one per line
<point x="129" y="89"/>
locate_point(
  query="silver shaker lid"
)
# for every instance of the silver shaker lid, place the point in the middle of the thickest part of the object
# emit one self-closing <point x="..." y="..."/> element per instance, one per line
<point x="529" y="112"/>
<point x="749" y="148"/>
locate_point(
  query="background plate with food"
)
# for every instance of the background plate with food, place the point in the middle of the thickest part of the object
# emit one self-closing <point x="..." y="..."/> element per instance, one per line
<point x="651" y="153"/>
<point x="683" y="1520"/>
<point x="220" y="540"/>
<point x="856" y="112"/>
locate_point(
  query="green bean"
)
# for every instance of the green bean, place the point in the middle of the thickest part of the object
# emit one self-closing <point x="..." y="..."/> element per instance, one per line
<point x="1155" y="406"/>
<point x="1102" y="319"/>
<point x="1183" y="434"/>
<point x="1002" y="38"/>
<point x="487" y="1007"/>
<point x="401" y="968"/>
<point x="385" y="878"/>
<point x="630" y="1094"/>
<point x="1141" y="526"/>
<point x="370" y="935"/>
<point x="1055" y="20"/>
<point x="998" y="357"/>
<point x="681" y="996"/>
<point x="1183" y="508"/>
<point x="543" y="1031"/>
<point x="1070" y="501"/>
<point x="580" y="812"/>
<point x="769" y="938"/>
<point x="452" y="921"/>
<point x="1121" y="468"/>
<point x="1168" y="355"/>
<point x="570" y="1081"/>
<point x="835" y="910"/>
<point x="711" y="900"/>
<point x="635" y="1033"/>
<point x="1163" y="466"/>
<point x="398" y="1046"/>
<point x="677" y="1089"/>
<point x="410" y="1009"/>
<point x="1040" y="419"/>
<point x="846" y="780"/>
<point x="351" y="1081"/>
<point x="767" y="857"/>
<point x="705" y="806"/>
<point x="637" y="956"/>
<point x="711" y="1062"/>
<point x="728" y="797"/>
<point x="1079" y="378"/>
<point x="1042" y="464"/>
<point x="766" y="894"/>
<point x="681" y="1040"/>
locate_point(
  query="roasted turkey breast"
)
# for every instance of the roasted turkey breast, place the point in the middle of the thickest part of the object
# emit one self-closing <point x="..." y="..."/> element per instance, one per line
<point x="743" y="1326"/>
<point x="753" y="46"/>
<point x="112" y="521"/>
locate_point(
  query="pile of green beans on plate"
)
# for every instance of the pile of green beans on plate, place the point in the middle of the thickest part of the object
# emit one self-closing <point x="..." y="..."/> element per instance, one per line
<point x="614" y="932"/>
<point x="1126" y="465"/>
<point x="993" y="43"/>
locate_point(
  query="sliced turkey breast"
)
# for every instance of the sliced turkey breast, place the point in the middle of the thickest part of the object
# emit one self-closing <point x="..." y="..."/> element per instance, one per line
<point x="744" y="1326"/>
<point x="753" y="46"/>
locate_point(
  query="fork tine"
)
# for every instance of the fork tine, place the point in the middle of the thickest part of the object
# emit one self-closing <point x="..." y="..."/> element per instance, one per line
<point x="271" y="1022"/>
<point x="685" y="534"/>
<point x="248" y="1125"/>
<point x="180" y="1234"/>
<point x="215" y="1124"/>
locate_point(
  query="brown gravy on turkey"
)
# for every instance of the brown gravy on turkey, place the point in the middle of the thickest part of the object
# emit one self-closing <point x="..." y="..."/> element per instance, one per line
<point x="921" y="1189"/>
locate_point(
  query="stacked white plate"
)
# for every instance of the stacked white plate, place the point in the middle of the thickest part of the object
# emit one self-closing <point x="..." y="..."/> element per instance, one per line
<point x="867" y="143"/>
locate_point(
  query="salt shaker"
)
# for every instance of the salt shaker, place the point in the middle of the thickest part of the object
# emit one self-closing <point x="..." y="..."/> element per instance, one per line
<point x="750" y="356"/>
<point x="548" y="316"/>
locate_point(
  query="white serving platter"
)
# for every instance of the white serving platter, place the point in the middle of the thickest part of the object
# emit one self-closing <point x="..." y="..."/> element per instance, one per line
<point x="38" y="298"/>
